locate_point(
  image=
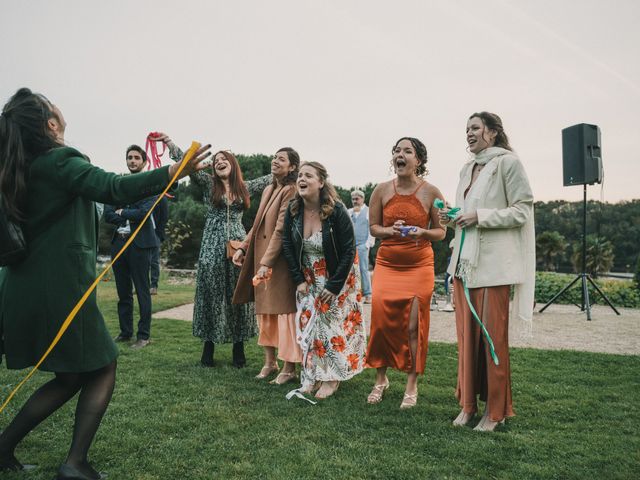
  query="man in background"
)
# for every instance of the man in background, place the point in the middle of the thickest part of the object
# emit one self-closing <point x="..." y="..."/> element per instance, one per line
<point x="364" y="241"/>
<point x="133" y="266"/>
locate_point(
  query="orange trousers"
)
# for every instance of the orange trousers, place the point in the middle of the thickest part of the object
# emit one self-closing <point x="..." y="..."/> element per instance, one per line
<point x="478" y="376"/>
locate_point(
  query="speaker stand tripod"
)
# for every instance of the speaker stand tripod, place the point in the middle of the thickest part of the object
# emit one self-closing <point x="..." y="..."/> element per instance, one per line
<point x="583" y="276"/>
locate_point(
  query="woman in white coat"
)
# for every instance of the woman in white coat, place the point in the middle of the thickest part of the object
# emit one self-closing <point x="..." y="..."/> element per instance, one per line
<point x="494" y="248"/>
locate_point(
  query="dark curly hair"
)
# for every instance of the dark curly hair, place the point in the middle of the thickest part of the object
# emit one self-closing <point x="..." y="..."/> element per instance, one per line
<point x="494" y="122"/>
<point x="421" y="153"/>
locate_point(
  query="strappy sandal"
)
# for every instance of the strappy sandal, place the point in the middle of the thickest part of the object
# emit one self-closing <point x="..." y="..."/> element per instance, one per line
<point x="267" y="370"/>
<point x="487" y="425"/>
<point x="283" y="377"/>
<point x="463" y="419"/>
<point x="409" y="401"/>
<point x="377" y="392"/>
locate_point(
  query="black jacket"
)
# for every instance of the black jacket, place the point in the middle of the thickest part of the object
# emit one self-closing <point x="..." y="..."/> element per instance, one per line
<point x="338" y="245"/>
<point x="160" y="217"/>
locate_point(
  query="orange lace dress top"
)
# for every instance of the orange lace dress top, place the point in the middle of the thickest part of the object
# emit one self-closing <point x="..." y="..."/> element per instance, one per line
<point x="403" y="275"/>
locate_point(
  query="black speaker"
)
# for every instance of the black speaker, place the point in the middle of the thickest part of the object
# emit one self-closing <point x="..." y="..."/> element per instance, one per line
<point x="581" y="155"/>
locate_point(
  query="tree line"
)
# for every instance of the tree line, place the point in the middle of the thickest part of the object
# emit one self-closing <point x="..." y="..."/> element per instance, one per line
<point x="612" y="242"/>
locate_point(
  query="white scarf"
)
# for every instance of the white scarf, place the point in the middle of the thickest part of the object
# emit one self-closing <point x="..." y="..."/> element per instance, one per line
<point x="468" y="260"/>
<point x="524" y="293"/>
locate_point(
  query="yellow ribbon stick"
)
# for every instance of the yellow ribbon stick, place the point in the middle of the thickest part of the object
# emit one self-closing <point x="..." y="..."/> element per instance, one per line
<point x="65" y="325"/>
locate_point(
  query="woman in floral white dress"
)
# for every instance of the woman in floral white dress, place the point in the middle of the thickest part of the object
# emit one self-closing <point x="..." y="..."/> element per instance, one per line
<point x="319" y="245"/>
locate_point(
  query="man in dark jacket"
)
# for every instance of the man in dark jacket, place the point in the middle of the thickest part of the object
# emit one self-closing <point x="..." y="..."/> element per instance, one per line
<point x="133" y="265"/>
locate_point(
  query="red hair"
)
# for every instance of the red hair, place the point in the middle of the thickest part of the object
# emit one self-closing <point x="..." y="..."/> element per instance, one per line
<point x="238" y="190"/>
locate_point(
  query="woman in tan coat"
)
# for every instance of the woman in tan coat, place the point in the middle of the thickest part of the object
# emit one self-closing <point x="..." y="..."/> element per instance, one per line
<point x="494" y="248"/>
<point x="260" y="255"/>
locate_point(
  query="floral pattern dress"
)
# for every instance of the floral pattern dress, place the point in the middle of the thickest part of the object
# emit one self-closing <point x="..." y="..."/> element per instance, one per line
<point x="215" y="317"/>
<point x="332" y="336"/>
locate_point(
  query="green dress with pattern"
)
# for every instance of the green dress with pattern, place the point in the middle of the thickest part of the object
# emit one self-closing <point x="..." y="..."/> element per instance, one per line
<point x="215" y="317"/>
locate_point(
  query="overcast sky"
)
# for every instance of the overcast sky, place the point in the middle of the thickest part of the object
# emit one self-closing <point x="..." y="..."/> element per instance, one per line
<point x="338" y="80"/>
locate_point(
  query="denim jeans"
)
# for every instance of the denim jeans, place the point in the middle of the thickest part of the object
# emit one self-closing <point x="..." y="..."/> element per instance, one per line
<point x="363" y="255"/>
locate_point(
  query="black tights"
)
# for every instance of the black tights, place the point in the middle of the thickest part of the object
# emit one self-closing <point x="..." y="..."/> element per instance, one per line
<point x="95" y="390"/>
<point x="207" y="353"/>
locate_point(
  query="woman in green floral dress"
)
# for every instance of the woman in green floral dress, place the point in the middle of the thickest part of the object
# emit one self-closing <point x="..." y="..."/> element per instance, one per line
<point x="215" y="319"/>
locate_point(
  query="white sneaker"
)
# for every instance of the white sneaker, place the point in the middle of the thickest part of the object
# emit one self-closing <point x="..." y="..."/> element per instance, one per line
<point x="448" y="308"/>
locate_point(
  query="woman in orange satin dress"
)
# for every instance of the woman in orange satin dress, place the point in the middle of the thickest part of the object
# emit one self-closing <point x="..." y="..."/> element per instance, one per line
<point x="401" y="213"/>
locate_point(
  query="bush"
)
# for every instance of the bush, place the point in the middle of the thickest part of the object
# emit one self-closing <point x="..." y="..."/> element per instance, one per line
<point x="622" y="293"/>
<point x="184" y="232"/>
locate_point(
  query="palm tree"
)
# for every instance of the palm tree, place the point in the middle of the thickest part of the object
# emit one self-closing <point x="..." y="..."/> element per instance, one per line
<point x="599" y="256"/>
<point x="550" y="247"/>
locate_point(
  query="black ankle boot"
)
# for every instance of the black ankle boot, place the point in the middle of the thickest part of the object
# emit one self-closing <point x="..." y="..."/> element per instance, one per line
<point x="239" y="360"/>
<point x="207" y="354"/>
<point x="9" y="463"/>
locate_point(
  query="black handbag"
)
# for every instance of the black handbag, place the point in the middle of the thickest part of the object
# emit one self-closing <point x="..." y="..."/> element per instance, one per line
<point x="13" y="246"/>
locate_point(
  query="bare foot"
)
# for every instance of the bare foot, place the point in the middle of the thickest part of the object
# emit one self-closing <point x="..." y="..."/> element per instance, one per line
<point x="327" y="389"/>
<point x="311" y="388"/>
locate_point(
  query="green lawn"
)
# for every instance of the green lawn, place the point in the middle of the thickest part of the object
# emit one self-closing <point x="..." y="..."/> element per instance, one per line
<point x="578" y="417"/>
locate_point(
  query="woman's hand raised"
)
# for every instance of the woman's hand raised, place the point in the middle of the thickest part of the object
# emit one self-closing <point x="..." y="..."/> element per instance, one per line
<point x="161" y="137"/>
<point x="193" y="165"/>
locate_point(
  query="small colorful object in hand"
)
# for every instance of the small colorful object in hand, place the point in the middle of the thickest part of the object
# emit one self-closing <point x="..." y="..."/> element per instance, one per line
<point x="452" y="213"/>
<point x="257" y="280"/>
<point x="404" y="231"/>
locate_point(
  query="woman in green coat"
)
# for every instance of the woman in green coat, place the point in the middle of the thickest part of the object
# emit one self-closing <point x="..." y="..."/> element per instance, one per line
<point x="51" y="190"/>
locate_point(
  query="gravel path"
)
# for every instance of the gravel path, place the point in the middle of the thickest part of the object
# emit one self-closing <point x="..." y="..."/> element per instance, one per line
<point x="560" y="327"/>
